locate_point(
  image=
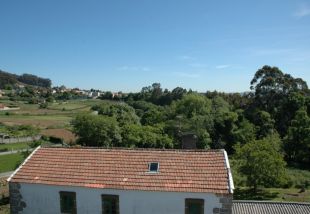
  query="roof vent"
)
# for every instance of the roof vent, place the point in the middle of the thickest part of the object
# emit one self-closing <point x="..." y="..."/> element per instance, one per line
<point x="153" y="167"/>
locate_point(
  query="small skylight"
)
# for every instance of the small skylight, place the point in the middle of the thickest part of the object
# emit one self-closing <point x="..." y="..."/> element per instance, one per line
<point x="153" y="167"/>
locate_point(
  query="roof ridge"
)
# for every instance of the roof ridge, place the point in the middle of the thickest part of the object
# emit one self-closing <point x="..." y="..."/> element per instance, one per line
<point x="137" y="149"/>
<point x="271" y="202"/>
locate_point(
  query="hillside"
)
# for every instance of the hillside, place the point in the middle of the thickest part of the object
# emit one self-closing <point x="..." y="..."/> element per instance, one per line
<point x="9" y="79"/>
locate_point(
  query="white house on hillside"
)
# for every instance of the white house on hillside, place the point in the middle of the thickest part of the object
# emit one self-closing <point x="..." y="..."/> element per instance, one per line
<point x="122" y="181"/>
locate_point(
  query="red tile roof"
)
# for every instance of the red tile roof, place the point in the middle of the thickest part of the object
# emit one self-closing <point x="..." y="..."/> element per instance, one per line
<point x="127" y="169"/>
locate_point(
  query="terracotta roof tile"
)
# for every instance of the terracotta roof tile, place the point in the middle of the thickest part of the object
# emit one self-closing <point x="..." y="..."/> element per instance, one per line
<point x="127" y="169"/>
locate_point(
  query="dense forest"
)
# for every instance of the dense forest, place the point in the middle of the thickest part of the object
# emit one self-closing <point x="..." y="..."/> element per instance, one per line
<point x="8" y="80"/>
<point x="263" y="130"/>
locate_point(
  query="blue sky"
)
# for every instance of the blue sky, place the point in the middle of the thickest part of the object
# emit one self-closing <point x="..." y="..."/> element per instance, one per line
<point x="127" y="44"/>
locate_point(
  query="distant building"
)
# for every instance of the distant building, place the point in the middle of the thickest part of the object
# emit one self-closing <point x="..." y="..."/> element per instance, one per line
<point x="122" y="181"/>
<point x="94" y="94"/>
<point x="2" y="106"/>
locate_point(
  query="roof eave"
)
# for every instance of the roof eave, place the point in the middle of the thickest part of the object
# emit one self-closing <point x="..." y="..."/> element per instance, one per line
<point x="25" y="161"/>
<point x="230" y="178"/>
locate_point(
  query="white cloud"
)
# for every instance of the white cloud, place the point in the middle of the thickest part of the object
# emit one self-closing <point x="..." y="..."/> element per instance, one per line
<point x="222" y="66"/>
<point x="133" y="68"/>
<point x="187" y="75"/>
<point x="302" y="11"/>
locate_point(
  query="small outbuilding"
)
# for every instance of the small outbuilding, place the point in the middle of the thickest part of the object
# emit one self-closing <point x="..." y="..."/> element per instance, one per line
<point x="270" y="207"/>
<point x="122" y="181"/>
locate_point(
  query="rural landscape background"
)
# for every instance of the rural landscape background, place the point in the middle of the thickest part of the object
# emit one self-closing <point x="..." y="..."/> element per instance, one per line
<point x="265" y="131"/>
<point x="143" y="74"/>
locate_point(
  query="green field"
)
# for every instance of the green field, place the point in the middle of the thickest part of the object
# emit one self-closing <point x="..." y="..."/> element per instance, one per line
<point x="41" y="121"/>
<point x="14" y="146"/>
<point x="10" y="162"/>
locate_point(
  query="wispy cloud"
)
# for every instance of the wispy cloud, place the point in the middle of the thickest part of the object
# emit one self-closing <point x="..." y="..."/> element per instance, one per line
<point x="187" y="75"/>
<point x="302" y="11"/>
<point x="222" y="66"/>
<point x="133" y="68"/>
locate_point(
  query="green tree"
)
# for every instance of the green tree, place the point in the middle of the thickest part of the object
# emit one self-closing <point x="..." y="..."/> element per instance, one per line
<point x="224" y="124"/>
<point x="273" y="93"/>
<point x="145" y="137"/>
<point x="297" y="140"/>
<point x="122" y="112"/>
<point x="264" y="124"/>
<point x="262" y="163"/>
<point x="245" y="131"/>
<point x="192" y="104"/>
<point x="99" y="131"/>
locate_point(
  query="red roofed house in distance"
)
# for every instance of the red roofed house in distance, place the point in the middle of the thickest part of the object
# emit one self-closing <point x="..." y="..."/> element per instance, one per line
<point x="122" y="181"/>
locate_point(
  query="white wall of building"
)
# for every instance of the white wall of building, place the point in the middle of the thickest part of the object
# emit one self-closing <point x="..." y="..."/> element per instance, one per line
<point x="41" y="199"/>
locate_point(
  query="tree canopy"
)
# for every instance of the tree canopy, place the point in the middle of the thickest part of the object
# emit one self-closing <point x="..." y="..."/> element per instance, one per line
<point x="155" y="117"/>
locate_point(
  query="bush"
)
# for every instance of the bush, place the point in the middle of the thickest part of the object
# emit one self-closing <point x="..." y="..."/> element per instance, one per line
<point x="299" y="178"/>
<point x="55" y="140"/>
<point x="43" y="105"/>
<point x="35" y="144"/>
<point x="4" y="150"/>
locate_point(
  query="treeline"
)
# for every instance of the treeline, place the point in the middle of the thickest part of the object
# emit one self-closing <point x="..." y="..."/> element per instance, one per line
<point x="8" y="80"/>
<point x="278" y="106"/>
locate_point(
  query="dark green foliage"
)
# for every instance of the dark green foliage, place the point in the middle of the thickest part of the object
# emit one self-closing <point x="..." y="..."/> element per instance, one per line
<point x="34" y="80"/>
<point x="297" y="140"/>
<point x="10" y="80"/>
<point x="245" y="131"/>
<point x="43" y="105"/>
<point x="55" y="140"/>
<point x="264" y="124"/>
<point x="275" y="93"/>
<point x="7" y="80"/>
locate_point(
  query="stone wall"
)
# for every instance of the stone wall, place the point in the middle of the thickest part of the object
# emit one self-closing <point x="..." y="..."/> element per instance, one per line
<point x="226" y="202"/>
<point x="16" y="203"/>
<point x="20" y="139"/>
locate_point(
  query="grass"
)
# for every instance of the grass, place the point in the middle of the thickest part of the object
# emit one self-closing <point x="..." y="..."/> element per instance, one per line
<point x="273" y="194"/>
<point x="57" y="115"/>
<point x="297" y="179"/>
<point x="68" y="106"/>
<point x="10" y="162"/>
<point x="14" y="146"/>
<point x="41" y="121"/>
<point x="291" y="194"/>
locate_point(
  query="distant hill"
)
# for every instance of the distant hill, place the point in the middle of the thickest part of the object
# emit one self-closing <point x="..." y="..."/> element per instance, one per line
<point x="7" y="78"/>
